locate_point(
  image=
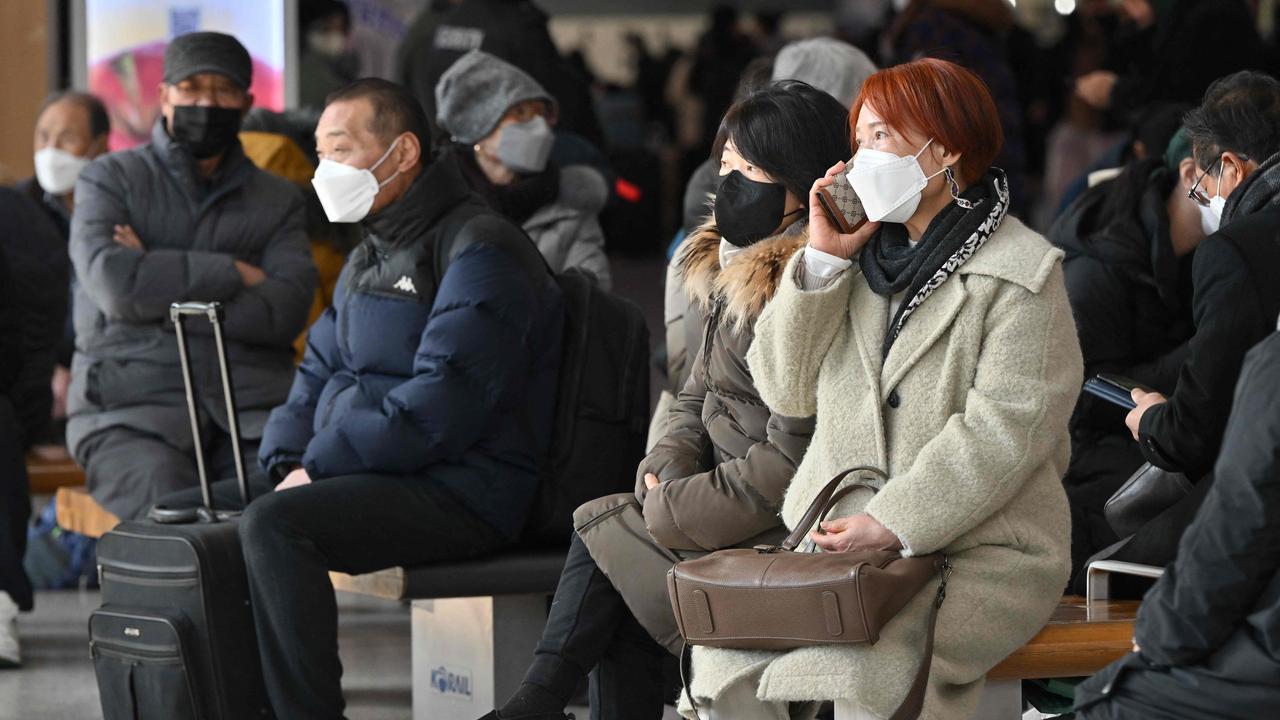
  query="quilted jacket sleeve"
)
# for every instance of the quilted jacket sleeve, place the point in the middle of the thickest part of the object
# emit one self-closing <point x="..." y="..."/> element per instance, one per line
<point x="290" y="427"/>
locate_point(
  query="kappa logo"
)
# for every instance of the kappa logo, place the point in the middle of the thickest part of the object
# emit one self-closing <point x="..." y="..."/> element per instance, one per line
<point x="447" y="681"/>
<point x="405" y="284"/>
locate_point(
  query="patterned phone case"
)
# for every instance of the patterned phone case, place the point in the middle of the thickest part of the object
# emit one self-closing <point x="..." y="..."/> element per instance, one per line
<point x="841" y="204"/>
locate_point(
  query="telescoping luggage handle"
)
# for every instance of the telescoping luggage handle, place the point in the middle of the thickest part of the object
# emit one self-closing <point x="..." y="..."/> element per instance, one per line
<point x="178" y="312"/>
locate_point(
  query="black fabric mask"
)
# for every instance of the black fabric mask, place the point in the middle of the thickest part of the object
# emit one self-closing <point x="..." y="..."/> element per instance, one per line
<point x="748" y="211"/>
<point x="205" y="131"/>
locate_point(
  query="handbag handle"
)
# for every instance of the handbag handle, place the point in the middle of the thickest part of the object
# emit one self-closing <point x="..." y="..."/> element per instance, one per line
<point x="826" y="499"/>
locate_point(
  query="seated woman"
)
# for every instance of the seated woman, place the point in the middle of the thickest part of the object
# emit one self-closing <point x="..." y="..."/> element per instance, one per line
<point x="938" y="345"/>
<point x="716" y="479"/>
<point x="500" y="119"/>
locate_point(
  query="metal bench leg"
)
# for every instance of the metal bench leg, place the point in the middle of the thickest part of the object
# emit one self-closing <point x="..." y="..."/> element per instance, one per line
<point x="1000" y="700"/>
<point x="470" y="653"/>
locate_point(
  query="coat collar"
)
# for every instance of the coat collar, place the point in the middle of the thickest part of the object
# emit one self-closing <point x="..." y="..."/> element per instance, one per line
<point x="746" y="284"/>
<point x="232" y="172"/>
<point x="1014" y="253"/>
<point x="434" y="193"/>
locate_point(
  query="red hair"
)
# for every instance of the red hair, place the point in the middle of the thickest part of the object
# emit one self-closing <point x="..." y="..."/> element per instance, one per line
<point x="941" y="100"/>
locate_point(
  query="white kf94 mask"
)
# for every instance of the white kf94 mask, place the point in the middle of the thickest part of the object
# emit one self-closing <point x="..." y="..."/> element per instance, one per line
<point x="346" y="193"/>
<point x="889" y="185"/>
<point x="57" y="170"/>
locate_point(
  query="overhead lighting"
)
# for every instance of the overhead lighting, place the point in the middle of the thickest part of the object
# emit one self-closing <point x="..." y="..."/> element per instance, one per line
<point x="1064" y="7"/>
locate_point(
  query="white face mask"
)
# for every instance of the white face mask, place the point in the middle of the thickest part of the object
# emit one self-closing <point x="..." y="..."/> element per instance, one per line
<point x="327" y="42"/>
<point x="889" y="185"/>
<point x="1211" y="217"/>
<point x="57" y="170"/>
<point x="346" y="193"/>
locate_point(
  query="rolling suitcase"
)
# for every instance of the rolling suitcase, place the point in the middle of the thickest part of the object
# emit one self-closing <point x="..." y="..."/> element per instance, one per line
<point x="174" y="638"/>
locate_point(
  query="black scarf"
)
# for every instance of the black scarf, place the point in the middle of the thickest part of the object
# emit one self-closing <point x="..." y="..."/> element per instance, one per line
<point x="892" y="266"/>
<point x="519" y="200"/>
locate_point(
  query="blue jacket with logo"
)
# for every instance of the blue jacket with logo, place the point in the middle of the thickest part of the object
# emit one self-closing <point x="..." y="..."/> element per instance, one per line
<point x="450" y="376"/>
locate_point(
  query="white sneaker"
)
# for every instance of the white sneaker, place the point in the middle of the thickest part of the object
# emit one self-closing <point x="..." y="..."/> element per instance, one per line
<point x="10" y="649"/>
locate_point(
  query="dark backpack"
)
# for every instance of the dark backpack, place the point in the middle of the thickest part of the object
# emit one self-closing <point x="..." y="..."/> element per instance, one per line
<point x="602" y="399"/>
<point x="602" y="407"/>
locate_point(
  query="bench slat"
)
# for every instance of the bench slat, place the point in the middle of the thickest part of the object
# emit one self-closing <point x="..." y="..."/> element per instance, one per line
<point x="1080" y="639"/>
<point x="46" y="476"/>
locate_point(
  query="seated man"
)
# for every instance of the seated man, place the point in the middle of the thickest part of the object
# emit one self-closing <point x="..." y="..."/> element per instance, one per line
<point x="1207" y="640"/>
<point x="416" y="422"/>
<point x="185" y="217"/>
<point x="71" y="131"/>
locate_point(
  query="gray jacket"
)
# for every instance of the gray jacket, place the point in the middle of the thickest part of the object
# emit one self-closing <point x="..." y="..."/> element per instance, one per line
<point x="125" y="371"/>
<point x="567" y="231"/>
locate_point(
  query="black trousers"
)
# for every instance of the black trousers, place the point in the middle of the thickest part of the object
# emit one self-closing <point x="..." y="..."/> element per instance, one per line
<point x="590" y="630"/>
<point x="15" y="507"/>
<point x="1141" y="692"/>
<point x="355" y="524"/>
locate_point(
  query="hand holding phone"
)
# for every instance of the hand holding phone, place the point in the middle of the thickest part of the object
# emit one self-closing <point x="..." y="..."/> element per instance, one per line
<point x="1116" y="389"/>
<point x="841" y="203"/>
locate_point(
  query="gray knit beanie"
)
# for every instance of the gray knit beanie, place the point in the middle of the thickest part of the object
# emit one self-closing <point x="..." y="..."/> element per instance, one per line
<point x="204" y="52"/>
<point x="477" y="90"/>
<point x="834" y="67"/>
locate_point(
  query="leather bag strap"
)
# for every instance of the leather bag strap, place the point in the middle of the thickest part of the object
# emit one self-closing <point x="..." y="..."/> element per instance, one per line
<point x="824" y="500"/>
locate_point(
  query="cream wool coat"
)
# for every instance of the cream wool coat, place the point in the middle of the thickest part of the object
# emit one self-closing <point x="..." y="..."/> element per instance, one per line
<point x="986" y="373"/>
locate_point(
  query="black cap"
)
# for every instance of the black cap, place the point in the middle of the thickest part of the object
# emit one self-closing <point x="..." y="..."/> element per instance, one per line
<point x="207" y="52"/>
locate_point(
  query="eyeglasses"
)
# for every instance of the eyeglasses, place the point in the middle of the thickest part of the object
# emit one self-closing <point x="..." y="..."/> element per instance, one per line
<point x="1196" y="194"/>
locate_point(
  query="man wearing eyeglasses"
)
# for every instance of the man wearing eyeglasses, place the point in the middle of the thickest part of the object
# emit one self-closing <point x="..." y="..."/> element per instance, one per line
<point x="1235" y="138"/>
<point x="185" y="217"/>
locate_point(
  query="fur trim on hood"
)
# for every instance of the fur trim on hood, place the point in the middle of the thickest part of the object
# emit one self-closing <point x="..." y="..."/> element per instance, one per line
<point x="747" y="283"/>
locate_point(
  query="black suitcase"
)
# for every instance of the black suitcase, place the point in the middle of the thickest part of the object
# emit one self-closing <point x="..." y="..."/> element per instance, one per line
<point x="174" y="638"/>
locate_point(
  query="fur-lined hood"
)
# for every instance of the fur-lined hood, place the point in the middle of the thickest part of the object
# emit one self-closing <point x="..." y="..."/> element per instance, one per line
<point x="747" y="283"/>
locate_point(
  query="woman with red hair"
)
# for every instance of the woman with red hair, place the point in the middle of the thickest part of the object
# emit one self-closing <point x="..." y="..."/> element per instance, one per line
<point x="937" y="344"/>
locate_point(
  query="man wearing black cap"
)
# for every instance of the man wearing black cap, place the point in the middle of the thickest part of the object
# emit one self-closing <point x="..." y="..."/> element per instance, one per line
<point x="185" y="217"/>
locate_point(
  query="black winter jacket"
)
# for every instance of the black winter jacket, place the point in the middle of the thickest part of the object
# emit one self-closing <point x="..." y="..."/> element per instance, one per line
<point x="1130" y="295"/>
<point x="451" y="377"/>
<point x="1218" y="604"/>
<point x="39" y="272"/>
<point x="1235" y="303"/>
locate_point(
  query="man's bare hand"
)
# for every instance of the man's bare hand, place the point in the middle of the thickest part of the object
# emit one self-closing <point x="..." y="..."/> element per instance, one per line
<point x="125" y="235"/>
<point x="250" y="275"/>
<point x="297" y="478"/>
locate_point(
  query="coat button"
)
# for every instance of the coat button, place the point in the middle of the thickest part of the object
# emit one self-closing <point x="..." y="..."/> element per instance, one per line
<point x="893" y="399"/>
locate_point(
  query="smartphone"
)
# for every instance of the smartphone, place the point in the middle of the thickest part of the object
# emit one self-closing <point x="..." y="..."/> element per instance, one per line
<point x="841" y="203"/>
<point x="1116" y="389"/>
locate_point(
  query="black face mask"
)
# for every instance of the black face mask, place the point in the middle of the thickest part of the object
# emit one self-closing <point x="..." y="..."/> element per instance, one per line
<point x="748" y="211"/>
<point x="205" y="131"/>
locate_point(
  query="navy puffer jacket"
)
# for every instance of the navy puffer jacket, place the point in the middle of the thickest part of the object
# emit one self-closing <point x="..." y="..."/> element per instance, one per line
<point x="450" y="376"/>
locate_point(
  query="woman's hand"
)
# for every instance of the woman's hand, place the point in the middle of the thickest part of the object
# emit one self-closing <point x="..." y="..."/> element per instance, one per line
<point x="857" y="532"/>
<point x="1145" y="400"/>
<point x="823" y="234"/>
<point x="650" y="481"/>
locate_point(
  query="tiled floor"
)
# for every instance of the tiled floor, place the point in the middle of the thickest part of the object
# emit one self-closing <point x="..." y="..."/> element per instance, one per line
<point x="57" y="681"/>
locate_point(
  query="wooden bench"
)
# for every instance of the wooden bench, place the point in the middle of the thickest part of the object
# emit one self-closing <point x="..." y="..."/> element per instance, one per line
<point x="47" y="476"/>
<point x="474" y="625"/>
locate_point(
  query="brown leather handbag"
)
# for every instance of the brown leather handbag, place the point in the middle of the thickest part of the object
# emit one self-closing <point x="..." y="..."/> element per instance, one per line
<point x="774" y="598"/>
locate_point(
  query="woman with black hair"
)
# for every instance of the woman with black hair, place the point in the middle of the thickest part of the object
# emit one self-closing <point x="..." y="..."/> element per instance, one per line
<point x="717" y="477"/>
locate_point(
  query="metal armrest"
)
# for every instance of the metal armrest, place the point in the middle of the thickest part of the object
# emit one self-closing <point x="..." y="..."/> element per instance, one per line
<point x="1098" y="576"/>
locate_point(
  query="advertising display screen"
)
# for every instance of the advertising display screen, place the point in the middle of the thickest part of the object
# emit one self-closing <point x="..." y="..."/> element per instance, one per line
<point x="123" y="51"/>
